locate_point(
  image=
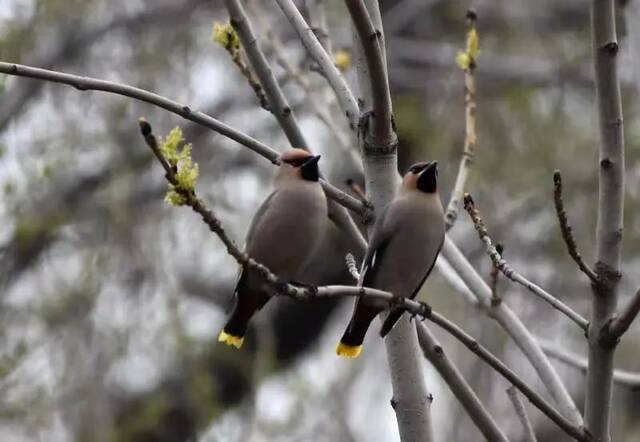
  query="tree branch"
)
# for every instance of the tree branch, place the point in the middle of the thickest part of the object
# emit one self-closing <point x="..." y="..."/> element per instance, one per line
<point x="620" y="324"/>
<point x="88" y="83"/>
<point x="576" y="431"/>
<point x="277" y="102"/>
<point x="511" y="273"/>
<point x="521" y="411"/>
<point x="510" y="322"/>
<point x="623" y="378"/>
<point x="470" y="137"/>
<point x="566" y="230"/>
<point x="610" y="218"/>
<point x="383" y="133"/>
<point x="480" y="416"/>
<point x="330" y="71"/>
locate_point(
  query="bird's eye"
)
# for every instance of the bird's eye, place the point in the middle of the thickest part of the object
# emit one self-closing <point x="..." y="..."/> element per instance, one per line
<point x="297" y="162"/>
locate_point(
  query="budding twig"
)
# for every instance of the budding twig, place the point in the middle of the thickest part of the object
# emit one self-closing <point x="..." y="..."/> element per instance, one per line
<point x="467" y="61"/>
<point x="565" y="228"/>
<point x="511" y="273"/>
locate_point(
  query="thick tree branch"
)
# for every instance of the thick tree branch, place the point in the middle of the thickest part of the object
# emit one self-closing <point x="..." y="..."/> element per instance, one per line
<point x="521" y="411"/>
<point x="383" y="133"/>
<point x="277" y="102"/>
<point x="565" y="228"/>
<point x="610" y="219"/>
<point x="88" y="83"/>
<point x="480" y="416"/>
<point x="470" y="137"/>
<point x="576" y="431"/>
<point x="623" y="378"/>
<point x="330" y="71"/>
<point x="512" y="274"/>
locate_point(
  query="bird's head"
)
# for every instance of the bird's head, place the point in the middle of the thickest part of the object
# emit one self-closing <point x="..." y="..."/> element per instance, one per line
<point x="301" y="164"/>
<point x="422" y="176"/>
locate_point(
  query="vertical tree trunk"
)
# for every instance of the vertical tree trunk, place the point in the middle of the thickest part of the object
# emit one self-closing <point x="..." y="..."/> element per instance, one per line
<point x="411" y="401"/>
<point x="609" y="226"/>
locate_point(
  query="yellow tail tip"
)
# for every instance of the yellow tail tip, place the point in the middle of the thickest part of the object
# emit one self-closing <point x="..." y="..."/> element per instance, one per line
<point x="230" y="340"/>
<point x="348" y="351"/>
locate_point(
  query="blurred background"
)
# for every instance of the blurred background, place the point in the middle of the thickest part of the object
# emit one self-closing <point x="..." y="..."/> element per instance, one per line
<point x="111" y="300"/>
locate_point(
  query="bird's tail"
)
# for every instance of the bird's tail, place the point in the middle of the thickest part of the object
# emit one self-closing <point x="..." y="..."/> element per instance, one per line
<point x="233" y="333"/>
<point x="390" y="321"/>
<point x="350" y="346"/>
<point x="248" y="303"/>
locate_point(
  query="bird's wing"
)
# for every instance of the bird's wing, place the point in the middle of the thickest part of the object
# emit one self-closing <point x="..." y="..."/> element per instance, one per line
<point x="259" y="216"/>
<point x="380" y="238"/>
<point x="428" y="272"/>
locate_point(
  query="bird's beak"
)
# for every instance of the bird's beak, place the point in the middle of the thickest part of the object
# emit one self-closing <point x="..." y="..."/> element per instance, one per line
<point x="432" y="167"/>
<point x="311" y="161"/>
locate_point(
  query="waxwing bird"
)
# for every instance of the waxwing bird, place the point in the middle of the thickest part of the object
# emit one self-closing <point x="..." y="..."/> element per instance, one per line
<point x="403" y="248"/>
<point x="284" y="233"/>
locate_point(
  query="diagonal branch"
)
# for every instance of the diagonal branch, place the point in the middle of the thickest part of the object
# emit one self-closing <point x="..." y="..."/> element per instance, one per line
<point x="620" y="324"/>
<point x="565" y="228"/>
<point x="480" y="416"/>
<point x="277" y="102"/>
<point x="88" y="83"/>
<point x="330" y="71"/>
<point x="578" y="432"/>
<point x="513" y="325"/>
<point x="512" y="274"/>
<point x="624" y="378"/>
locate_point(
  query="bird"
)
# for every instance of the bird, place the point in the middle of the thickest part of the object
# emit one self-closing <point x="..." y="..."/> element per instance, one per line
<point x="283" y="235"/>
<point x="405" y="242"/>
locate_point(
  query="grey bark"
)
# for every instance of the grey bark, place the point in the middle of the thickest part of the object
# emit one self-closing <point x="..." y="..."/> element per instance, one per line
<point x="609" y="225"/>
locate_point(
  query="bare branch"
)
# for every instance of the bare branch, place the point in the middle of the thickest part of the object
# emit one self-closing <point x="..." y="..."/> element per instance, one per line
<point x="578" y="432"/>
<point x="510" y="322"/>
<point x="470" y="137"/>
<point x="566" y="230"/>
<point x="521" y="411"/>
<point x="493" y="278"/>
<point x="277" y="102"/>
<point x="330" y="71"/>
<point x="512" y="274"/>
<point x="620" y="324"/>
<point x="383" y="132"/>
<point x="480" y="416"/>
<point x="88" y="83"/>
<point x="623" y="378"/>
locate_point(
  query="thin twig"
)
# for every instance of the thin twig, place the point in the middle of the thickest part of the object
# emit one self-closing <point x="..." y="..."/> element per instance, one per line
<point x="623" y="378"/>
<point x="493" y="278"/>
<point x="565" y="228"/>
<point x="480" y="416"/>
<point x="88" y="83"/>
<point x="511" y="273"/>
<point x="620" y="324"/>
<point x="470" y="136"/>
<point x="521" y="411"/>
<point x="337" y="82"/>
<point x="578" y="432"/>
<point x="371" y="39"/>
